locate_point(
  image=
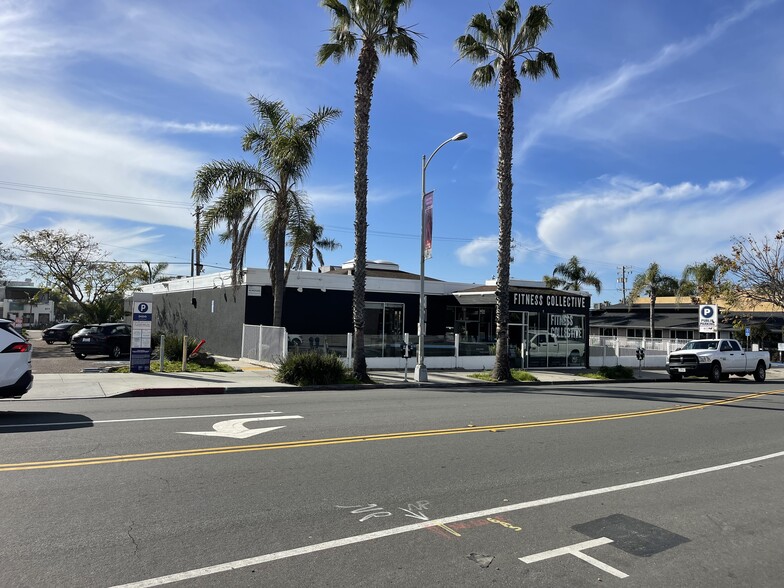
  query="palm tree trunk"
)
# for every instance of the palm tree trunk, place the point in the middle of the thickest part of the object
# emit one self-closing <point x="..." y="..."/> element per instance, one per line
<point x="501" y="371"/>
<point x="652" y="311"/>
<point x="363" y="96"/>
<point x="277" y="253"/>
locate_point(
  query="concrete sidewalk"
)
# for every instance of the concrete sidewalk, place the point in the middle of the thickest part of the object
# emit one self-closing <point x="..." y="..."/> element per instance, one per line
<point x="250" y="378"/>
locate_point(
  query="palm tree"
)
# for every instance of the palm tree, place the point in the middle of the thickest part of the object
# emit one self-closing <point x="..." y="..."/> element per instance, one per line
<point x="147" y="273"/>
<point x="573" y="276"/>
<point x="653" y="283"/>
<point x="229" y="210"/>
<point x="701" y="281"/>
<point x="372" y="26"/>
<point x="267" y="191"/>
<point x="501" y="38"/>
<point x="308" y="241"/>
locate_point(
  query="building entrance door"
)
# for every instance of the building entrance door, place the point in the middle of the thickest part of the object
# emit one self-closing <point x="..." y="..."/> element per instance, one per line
<point x="518" y="330"/>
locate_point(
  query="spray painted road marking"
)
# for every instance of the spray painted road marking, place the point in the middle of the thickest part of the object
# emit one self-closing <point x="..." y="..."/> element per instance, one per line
<point x="577" y="551"/>
<point x="490" y="512"/>
<point x="65" y="463"/>
<point x="236" y="429"/>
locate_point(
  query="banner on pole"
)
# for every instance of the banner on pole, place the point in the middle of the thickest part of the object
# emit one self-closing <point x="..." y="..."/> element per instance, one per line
<point x="429" y="225"/>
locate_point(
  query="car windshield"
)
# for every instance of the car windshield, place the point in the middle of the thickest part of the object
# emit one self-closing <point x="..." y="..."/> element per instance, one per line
<point x="89" y="330"/>
<point x="707" y="344"/>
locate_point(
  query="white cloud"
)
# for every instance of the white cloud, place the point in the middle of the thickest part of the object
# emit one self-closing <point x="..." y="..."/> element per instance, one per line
<point x="479" y="252"/>
<point x="632" y="222"/>
<point x="80" y="151"/>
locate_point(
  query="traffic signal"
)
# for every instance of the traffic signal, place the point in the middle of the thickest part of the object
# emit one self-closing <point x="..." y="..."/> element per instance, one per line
<point x="640" y="354"/>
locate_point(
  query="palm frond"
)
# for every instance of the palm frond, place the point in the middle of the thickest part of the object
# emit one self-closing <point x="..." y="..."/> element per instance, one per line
<point x="539" y="66"/>
<point x="468" y="47"/>
<point x="483" y="76"/>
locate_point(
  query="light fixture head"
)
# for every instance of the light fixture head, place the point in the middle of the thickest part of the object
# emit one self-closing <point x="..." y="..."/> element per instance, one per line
<point x="459" y="137"/>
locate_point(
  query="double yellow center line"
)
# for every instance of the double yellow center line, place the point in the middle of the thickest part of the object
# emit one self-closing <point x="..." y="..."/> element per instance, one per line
<point x="65" y="463"/>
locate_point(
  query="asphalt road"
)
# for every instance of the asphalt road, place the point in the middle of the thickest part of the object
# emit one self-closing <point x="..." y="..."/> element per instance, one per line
<point x="634" y="485"/>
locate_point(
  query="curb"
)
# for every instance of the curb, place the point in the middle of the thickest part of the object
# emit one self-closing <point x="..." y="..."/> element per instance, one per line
<point x="149" y="392"/>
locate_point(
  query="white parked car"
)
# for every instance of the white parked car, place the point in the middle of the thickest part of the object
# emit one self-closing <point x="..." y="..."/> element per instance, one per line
<point x="16" y="369"/>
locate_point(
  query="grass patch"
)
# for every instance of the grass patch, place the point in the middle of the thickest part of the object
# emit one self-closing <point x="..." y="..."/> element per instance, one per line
<point x="517" y="375"/>
<point x="176" y="366"/>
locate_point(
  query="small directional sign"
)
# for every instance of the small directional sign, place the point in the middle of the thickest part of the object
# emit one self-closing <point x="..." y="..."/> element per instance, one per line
<point x="236" y="429"/>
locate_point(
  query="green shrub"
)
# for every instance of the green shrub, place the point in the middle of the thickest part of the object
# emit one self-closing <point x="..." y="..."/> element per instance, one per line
<point x="616" y="372"/>
<point x="172" y="346"/>
<point x="311" y="369"/>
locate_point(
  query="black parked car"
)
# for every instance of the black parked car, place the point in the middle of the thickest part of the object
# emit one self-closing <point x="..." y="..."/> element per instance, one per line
<point x="60" y="332"/>
<point x="112" y="339"/>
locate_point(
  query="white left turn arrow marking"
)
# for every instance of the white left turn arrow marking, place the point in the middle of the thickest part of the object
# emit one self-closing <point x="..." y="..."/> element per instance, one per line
<point x="236" y="428"/>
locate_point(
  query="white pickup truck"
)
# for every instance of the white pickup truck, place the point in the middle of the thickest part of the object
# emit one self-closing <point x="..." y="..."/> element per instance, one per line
<point x="717" y="359"/>
<point x="545" y="344"/>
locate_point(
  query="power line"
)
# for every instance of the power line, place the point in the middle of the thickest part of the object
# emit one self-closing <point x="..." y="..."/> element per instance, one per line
<point x="86" y="195"/>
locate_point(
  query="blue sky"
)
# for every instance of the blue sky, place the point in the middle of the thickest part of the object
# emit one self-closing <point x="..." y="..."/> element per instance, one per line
<point x="663" y="138"/>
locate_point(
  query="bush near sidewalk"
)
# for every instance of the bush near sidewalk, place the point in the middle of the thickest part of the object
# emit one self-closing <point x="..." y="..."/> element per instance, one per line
<point x="313" y="369"/>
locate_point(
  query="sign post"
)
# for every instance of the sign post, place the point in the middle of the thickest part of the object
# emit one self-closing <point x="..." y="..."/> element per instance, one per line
<point x="141" y="332"/>
<point x="709" y="318"/>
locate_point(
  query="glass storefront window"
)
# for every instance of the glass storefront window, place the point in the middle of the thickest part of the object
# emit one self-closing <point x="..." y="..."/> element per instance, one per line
<point x="383" y="328"/>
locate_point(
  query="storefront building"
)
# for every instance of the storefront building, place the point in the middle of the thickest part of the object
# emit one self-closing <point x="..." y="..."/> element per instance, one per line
<point x="547" y="327"/>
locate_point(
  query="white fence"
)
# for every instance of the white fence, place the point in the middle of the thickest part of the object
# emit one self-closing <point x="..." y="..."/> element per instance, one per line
<point x="611" y="351"/>
<point x="264" y="344"/>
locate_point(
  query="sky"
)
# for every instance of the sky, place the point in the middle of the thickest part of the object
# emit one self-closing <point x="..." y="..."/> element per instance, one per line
<point x="662" y="140"/>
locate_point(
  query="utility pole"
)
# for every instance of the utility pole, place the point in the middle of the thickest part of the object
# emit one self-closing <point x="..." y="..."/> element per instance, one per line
<point x="196" y="239"/>
<point x="622" y="271"/>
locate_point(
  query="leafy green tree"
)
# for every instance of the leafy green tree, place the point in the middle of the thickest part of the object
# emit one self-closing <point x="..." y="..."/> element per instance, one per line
<point x="497" y="41"/>
<point x="572" y="275"/>
<point x="654" y="283"/>
<point x="74" y="265"/>
<point x="268" y="191"/>
<point x="372" y="27"/>
<point x="757" y="269"/>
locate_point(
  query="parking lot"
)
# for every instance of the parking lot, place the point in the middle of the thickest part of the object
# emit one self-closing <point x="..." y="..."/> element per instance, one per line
<point x="58" y="358"/>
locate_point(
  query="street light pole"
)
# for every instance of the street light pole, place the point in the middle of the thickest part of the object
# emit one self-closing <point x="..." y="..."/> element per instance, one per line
<point x="420" y="371"/>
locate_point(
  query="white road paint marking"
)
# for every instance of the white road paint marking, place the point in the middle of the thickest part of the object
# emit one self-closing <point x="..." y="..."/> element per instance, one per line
<point x="236" y="428"/>
<point x="577" y="551"/>
<point x="308" y="549"/>
<point x="167" y="418"/>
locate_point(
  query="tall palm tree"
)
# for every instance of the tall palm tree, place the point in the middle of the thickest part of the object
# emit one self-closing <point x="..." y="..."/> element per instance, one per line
<point x="497" y="41"/>
<point x="308" y="242"/>
<point x="372" y="26"/>
<point x="701" y="281"/>
<point x="573" y="276"/>
<point x="653" y="283"/>
<point x="267" y="191"/>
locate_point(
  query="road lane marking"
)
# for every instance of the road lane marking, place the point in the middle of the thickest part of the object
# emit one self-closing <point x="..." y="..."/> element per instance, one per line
<point x="236" y="429"/>
<point x="316" y="547"/>
<point x="136" y="420"/>
<point x="577" y="551"/>
<point x="10" y="467"/>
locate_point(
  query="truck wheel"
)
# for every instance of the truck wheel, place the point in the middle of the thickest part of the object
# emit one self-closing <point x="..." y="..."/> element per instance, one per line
<point x="574" y="358"/>
<point x="760" y="372"/>
<point x="676" y="377"/>
<point x="715" y="373"/>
